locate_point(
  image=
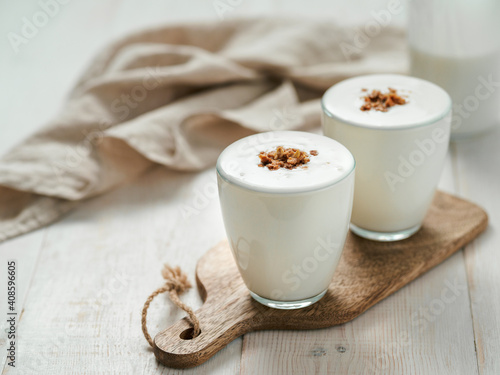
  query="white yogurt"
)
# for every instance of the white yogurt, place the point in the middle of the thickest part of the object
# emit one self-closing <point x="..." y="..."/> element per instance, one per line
<point x="455" y="45"/>
<point x="286" y="227"/>
<point x="400" y="153"/>
<point x="473" y="84"/>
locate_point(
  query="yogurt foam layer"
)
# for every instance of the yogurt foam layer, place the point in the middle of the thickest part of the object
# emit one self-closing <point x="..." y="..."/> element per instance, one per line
<point x="426" y="102"/>
<point x="238" y="163"/>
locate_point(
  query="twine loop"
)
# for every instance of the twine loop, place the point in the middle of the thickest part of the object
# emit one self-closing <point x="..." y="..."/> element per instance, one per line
<point x="176" y="283"/>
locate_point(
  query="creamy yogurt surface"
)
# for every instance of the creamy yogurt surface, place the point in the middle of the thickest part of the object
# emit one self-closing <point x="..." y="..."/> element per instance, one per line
<point x="239" y="162"/>
<point x="426" y="102"/>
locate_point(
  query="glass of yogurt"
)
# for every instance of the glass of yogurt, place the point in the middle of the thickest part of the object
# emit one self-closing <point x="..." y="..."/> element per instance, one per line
<point x="455" y="45"/>
<point x="286" y="225"/>
<point x="398" y="129"/>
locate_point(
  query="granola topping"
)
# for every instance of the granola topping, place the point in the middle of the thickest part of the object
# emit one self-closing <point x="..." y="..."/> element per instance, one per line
<point x="289" y="158"/>
<point x="380" y="101"/>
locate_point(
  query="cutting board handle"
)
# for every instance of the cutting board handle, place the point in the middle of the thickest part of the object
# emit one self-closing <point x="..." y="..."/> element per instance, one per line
<point x="219" y="324"/>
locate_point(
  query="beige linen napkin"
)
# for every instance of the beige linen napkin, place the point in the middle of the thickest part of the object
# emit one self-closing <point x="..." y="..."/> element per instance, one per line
<point x="176" y="96"/>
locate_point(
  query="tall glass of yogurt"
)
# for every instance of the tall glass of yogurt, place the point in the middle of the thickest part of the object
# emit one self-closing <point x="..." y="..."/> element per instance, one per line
<point x="400" y="151"/>
<point x="286" y="227"/>
<point x="455" y="45"/>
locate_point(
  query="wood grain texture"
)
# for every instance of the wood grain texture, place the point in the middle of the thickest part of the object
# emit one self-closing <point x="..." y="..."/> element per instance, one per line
<point x="392" y="337"/>
<point x="367" y="273"/>
<point x="82" y="312"/>
<point x="478" y="162"/>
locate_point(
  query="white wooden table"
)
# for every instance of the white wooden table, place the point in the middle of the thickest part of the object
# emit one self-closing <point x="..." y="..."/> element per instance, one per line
<point x="83" y="280"/>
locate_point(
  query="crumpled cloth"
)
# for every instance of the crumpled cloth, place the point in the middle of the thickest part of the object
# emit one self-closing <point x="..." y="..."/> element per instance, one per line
<point x="176" y="96"/>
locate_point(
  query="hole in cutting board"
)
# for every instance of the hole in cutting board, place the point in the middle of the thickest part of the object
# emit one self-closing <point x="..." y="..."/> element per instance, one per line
<point x="188" y="334"/>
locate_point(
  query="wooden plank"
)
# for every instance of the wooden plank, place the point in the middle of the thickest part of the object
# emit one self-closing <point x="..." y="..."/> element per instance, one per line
<point x="414" y="331"/>
<point x="477" y="166"/>
<point x="37" y="68"/>
<point x="394" y="337"/>
<point x="97" y="267"/>
<point x="25" y="251"/>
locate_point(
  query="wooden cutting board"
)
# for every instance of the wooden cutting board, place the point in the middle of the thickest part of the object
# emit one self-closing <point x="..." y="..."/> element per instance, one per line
<point x="367" y="273"/>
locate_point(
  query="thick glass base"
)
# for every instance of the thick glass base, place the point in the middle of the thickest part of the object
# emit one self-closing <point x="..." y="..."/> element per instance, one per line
<point x="384" y="236"/>
<point x="287" y="305"/>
